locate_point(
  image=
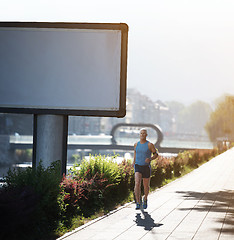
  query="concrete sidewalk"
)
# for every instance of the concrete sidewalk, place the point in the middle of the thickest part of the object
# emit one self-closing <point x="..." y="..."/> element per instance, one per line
<point x="198" y="206"/>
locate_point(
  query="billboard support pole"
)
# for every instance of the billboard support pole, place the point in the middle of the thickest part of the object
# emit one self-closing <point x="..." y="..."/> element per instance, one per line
<point x="50" y="140"/>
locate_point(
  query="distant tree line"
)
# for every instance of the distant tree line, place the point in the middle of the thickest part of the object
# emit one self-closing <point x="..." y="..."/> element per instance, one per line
<point x="192" y="118"/>
<point x="197" y="118"/>
<point x="221" y="122"/>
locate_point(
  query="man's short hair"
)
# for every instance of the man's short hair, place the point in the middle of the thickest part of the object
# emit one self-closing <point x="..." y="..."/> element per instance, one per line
<point x="143" y="129"/>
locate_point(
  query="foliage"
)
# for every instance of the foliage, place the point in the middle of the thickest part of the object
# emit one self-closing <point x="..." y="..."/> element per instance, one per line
<point x="193" y="118"/>
<point x="102" y="165"/>
<point x="17" y="208"/>
<point x="38" y="200"/>
<point x="39" y="203"/>
<point x="220" y="124"/>
<point x="71" y="192"/>
<point x="104" y="182"/>
<point x="160" y="170"/>
<point x="175" y="107"/>
<point x="75" y="159"/>
<point x="127" y="178"/>
<point x="23" y="155"/>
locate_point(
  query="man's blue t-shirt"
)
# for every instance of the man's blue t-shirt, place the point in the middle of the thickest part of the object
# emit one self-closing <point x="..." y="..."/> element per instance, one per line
<point x="142" y="152"/>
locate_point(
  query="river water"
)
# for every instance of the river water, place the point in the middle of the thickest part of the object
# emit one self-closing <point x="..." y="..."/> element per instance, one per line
<point x="107" y="140"/>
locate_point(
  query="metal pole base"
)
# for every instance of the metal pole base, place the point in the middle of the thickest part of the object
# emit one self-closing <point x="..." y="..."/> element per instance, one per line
<point x="50" y="140"/>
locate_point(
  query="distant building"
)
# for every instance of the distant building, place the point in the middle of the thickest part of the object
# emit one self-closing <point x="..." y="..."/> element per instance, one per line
<point x="81" y="125"/>
<point x="141" y="109"/>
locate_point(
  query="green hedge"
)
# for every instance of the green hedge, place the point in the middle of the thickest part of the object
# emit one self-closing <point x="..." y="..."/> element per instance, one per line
<point x="30" y="203"/>
<point x="40" y="203"/>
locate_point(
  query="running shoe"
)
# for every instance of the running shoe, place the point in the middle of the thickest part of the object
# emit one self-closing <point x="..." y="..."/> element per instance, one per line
<point x="145" y="204"/>
<point x="138" y="206"/>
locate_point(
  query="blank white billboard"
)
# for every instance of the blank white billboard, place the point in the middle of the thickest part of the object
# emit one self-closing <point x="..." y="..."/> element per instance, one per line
<point x="62" y="68"/>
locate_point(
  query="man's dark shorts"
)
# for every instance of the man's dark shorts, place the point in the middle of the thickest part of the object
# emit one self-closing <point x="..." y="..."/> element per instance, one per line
<point x="144" y="170"/>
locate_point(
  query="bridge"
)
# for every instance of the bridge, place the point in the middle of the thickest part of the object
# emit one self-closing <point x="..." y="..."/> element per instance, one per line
<point x="104" y="142"/>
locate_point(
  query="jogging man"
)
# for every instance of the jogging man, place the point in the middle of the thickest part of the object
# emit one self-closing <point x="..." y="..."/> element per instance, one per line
<point x="143" y="151"/>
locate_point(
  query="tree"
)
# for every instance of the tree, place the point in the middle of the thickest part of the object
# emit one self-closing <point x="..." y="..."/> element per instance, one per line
<point x="221" y="122"/>
<point x="192" y="119"/>
<point x="175" y="107"/>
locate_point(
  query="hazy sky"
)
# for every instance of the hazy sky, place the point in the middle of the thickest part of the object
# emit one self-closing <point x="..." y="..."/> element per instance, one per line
<point x="178" y="49"/>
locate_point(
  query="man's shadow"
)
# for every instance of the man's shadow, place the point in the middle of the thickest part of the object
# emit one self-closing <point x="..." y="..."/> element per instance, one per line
<point x="147" y="221"/>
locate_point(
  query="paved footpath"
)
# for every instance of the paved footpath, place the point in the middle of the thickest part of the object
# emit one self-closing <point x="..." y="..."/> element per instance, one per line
<point x="198" y="206"/>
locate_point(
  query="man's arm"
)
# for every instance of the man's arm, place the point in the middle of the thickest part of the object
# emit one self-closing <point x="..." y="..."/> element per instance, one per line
<point x="134" y="156"/>
<point x="154" y="151"/>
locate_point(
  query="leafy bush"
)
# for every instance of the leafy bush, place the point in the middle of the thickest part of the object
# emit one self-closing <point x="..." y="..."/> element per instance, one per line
<point x="38" y="202"/>
<point x="39" y="195"/>
<point x="105" y="166"/>
<point x="75" y="159"/>
<point x="17" y="208"/>
<point x="70" y="193"/>
<point x="161" y="169"/>
<point x="100" y="177"/>
<point x="23" y="155"/>
<point x="103" y="182"/>
<point x="127" y="178"/>
<point x="83" y="196"/>
<point x="94" y="188"/>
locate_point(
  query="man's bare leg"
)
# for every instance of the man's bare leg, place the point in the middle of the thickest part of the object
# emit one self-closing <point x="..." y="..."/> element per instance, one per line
<point x="146" y="183"/>
<point x="137" y="188"/>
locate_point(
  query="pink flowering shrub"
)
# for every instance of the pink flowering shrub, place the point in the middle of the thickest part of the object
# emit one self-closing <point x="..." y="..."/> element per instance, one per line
<point x="83" y="195"/>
